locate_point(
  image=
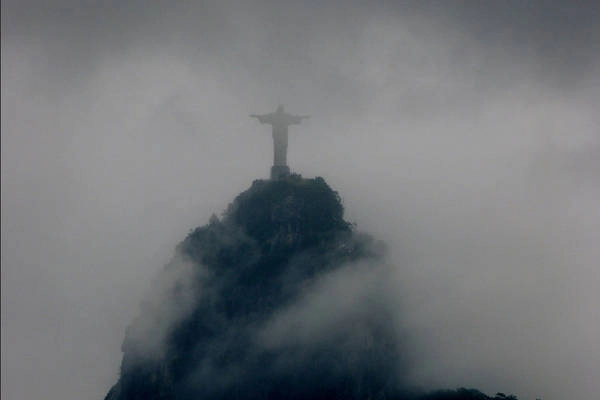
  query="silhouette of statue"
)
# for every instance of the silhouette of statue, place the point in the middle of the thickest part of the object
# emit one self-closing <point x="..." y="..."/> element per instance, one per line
<point x="279" y="120"/>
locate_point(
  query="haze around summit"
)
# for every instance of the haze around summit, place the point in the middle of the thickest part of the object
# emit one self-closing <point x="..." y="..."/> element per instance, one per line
<point x="463" y="135"/>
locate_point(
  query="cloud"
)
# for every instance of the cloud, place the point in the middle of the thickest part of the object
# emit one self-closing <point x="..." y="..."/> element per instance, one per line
<point x="169" y="301"/>
<point x="330" y="306"/>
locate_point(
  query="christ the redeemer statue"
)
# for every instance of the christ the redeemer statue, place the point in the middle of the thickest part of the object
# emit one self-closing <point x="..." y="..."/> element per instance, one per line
<point x="280" y="120"/>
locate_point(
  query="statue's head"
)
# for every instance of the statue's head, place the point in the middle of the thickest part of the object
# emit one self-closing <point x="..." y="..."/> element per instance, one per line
<point x="280" y="109"/>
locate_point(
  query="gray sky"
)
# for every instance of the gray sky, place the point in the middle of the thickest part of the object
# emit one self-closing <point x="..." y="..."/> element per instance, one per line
<point x="462" y="134"/>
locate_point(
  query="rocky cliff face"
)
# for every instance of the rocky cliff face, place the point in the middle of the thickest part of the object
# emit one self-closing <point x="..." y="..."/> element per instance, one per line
<point x="232" y="317"/>
<point x="279" y="299"/>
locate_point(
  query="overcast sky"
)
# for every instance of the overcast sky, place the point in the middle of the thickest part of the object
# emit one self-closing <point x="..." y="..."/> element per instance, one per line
<point x="466" y="135"/>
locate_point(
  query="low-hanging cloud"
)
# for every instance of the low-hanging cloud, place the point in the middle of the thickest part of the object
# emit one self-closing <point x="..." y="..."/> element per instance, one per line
<point x="170" y="300"/>
<point x="332" y="305"/>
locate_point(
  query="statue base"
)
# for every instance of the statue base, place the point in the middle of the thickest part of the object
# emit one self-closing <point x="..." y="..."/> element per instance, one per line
<point x="279" y="171"/>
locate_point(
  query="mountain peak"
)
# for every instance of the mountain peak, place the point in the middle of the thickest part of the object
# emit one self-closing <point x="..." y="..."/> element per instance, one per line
<point x="221" y="300"/>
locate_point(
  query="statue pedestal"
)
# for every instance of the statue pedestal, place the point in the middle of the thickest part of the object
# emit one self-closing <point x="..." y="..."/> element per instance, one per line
<point x="279" y="171"/>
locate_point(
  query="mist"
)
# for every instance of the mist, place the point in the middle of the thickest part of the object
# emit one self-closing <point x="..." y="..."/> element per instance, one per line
<point x="464" y="136"/>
